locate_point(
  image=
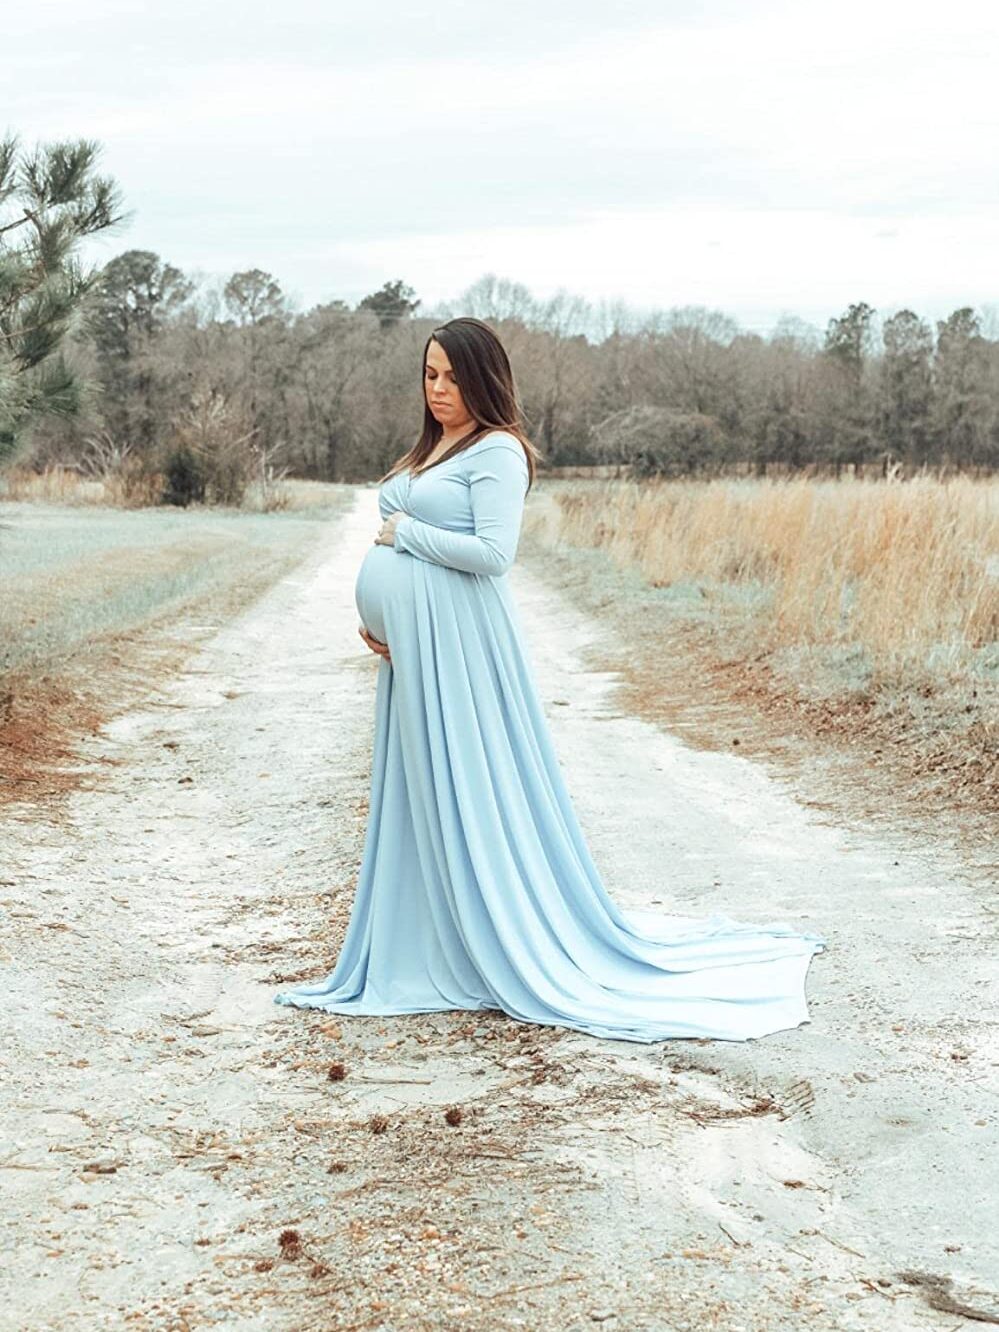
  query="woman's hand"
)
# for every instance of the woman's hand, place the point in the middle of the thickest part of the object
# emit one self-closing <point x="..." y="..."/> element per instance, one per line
<point x="375" y="644"/>
<point x="385" y="537"/>
<point x="386" y="533"/>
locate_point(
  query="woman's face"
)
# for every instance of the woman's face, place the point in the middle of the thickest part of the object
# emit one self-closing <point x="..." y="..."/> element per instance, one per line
<point x="443" y="395"/>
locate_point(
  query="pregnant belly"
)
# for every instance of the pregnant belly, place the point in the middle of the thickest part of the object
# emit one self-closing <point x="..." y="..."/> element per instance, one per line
<point x="383" y="576"/>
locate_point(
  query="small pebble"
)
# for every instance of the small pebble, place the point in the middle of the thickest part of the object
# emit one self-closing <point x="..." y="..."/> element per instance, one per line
<point x="101" y="1167"/>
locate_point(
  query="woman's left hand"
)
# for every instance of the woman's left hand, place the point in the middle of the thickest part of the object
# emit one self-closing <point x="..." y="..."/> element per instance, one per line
<point x="386" y="533"/>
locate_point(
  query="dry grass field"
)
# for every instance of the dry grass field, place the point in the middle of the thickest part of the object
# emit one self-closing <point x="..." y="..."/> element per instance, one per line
<point x="864" y="609"/>
<point x="906" y="573"/>
<point x="64" y="485"/>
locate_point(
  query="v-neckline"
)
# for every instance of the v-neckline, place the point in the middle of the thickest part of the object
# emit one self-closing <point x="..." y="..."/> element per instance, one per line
<point x="413" y="476"/>
<point x="429" y="468"/>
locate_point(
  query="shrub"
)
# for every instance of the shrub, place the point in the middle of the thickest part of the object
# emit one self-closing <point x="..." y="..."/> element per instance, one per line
<point x="209" y="458"/>
<point x="661" y="441"/>
<point x="184" y="478"/>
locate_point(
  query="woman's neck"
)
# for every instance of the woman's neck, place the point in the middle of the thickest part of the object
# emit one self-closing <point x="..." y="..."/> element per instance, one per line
<point x="446" y="441"/>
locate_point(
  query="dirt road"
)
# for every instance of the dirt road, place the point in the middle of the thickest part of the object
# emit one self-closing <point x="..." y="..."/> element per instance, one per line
<point x="180" y="1152"/>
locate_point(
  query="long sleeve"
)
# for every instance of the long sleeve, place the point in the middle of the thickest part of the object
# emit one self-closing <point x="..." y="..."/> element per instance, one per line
<point x="498" y="478"/>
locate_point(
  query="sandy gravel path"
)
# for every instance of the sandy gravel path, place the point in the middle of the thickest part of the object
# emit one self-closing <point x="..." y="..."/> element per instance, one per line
<point x="179" y="1152"/>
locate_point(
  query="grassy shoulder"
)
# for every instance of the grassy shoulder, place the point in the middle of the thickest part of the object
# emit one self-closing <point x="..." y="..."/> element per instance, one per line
<point x="711" y="650"/>
<point x="98" y="603"/>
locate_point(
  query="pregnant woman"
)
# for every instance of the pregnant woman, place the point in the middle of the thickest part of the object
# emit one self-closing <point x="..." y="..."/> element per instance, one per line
<point x="476" y="888"/>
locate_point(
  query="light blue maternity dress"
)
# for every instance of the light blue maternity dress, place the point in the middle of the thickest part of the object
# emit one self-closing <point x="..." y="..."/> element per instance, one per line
<point x="476" y="888"/>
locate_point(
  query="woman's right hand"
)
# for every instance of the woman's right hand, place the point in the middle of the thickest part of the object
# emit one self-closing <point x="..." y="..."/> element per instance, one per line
<point x="375" y="644"/>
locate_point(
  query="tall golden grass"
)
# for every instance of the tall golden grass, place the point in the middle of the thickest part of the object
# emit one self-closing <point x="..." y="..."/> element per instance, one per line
<point x="906" y="569"/>
<point x="55" y="485"/>
<point x="134" y="490"/>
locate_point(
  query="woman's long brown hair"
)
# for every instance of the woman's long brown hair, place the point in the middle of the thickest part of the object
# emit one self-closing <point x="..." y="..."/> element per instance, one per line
<point x="485" y="380"/>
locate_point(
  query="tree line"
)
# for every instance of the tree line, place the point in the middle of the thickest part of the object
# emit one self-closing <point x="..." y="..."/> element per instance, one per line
<point x="137" y="367"/>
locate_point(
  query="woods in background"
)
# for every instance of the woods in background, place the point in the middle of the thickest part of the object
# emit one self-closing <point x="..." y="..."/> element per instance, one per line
<point x="185" y="391"/>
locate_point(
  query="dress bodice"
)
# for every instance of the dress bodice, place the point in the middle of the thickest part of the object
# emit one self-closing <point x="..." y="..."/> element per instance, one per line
<point x="441" y="494"/>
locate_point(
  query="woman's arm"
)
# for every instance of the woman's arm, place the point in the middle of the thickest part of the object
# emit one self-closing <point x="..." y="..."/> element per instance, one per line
<point x="498" y="477"/>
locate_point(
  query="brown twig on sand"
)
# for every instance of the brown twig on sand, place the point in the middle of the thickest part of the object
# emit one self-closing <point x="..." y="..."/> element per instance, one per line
<point x="388" y="1079"/>
<point x="739" y="1244"/>
<point x="534" y="1285"/>
<point x="840" y="1245"/>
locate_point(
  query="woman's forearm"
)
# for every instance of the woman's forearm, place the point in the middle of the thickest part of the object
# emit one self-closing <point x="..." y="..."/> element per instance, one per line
<point x="498" y="478"/>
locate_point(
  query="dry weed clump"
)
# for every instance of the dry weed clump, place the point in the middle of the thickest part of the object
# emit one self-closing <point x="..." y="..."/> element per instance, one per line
<point x="904" y="569"/>
<point x="108" y="477"/>
<point x="54" y="485"/>
<point x="139" y="483"/>
<point x="290" y="1243"/>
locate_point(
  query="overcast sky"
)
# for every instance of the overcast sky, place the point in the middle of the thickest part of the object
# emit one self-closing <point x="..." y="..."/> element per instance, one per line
<point x="758" y="157"/>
